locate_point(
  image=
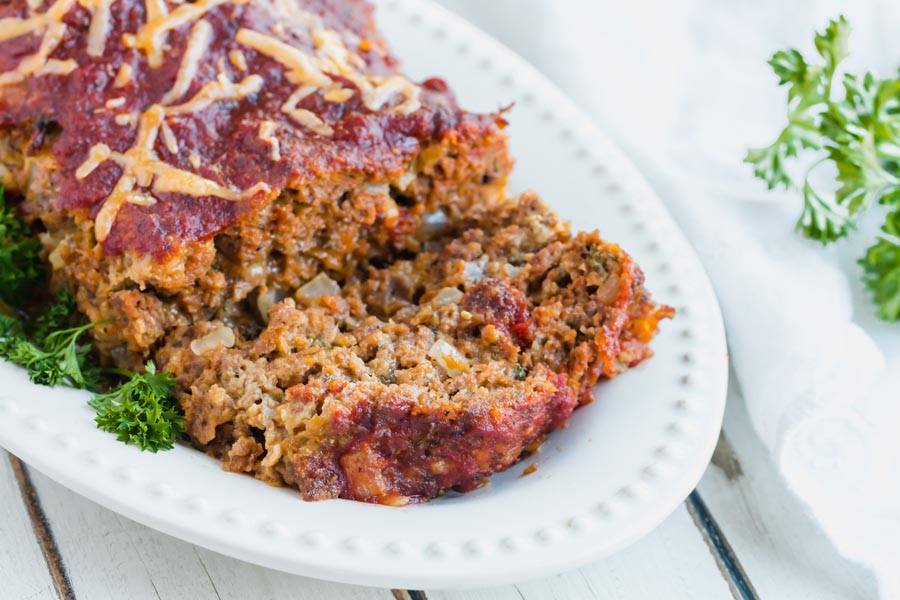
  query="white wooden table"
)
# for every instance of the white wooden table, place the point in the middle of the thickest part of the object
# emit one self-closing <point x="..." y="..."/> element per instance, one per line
<point x="740" y="535"/>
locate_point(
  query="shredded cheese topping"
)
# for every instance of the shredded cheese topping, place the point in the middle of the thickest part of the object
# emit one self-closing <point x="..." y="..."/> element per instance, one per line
<point x="305" y="117"/>
<point x="338" y="95"/>
<point x="12" y="27"/>
<point x="151" y="37"/>
<point x="267" y="135"/>
<point x="141" y="167"/>
<point x="303" y="67"/>
<point x="126" y="119"/>
<point x="99" y="28"/>
<point x="39" y="63"/>
<point x="217" y="91"/>
<point x="123" y="77"/>
<point x="168" y="137"/>
<point x="198" y="44"/>
<point x="237" y="58"/>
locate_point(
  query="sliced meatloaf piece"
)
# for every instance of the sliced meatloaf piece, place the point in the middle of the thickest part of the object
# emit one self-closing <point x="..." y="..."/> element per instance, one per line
<point x="424" y="374"/>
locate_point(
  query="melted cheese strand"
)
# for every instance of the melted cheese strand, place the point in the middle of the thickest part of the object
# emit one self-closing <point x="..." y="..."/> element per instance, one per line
<point x="237" y="58"/>
<point x="305" y="117"/>
<point x="304" y="69"/>
<point x="99" y="28"/>
<point x="330" y="47"/>
<point x="155" y="9"/>
<point x="217" y="91"/>
<point x="151" y="37"/>
<point x="13" y="27"/>
<point x="123" y="77"/>
<point x="111" y="207"/>
<point x="198" y="44"/>
<point x="39" y="63"/>
<point x="97" y="155"/>
<point x="267" y="135"/>
<point x="169" y="138"/>
<point x="332" y="56"/>
<point x="376" y="96"/>
<point x="142" y="167"/>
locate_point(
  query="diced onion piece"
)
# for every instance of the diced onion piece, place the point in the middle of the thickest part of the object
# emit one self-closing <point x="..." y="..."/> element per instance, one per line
<point x="433" y="224"/>
<point x="273" y="456"/>
<point x="377" y="189"/>
<point x="223" y="336"/>
<point x="407" y="178"/>
<point x="512" y="271"/>
<point x="56" y="259"/>
<point x="447" y="295"/>
<point x="474" y="271"/>
<point x="448" y="358"/>
<point x="264" y="302"/>
<point x="318" y="286"/>
<point x="394" y="499"/>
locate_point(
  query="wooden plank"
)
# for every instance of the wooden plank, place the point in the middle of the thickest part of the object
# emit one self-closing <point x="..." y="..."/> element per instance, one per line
<point x="780" y="547"/>
<point x="23" y="570"/>
<point x="47" y="543"/>
<point x="728" y="562"/>
<point x="673" y="562"/>
<point x="110" y="557"/>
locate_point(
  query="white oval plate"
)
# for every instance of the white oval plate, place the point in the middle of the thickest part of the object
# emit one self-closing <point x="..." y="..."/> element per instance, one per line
<point x="615" y="472"/>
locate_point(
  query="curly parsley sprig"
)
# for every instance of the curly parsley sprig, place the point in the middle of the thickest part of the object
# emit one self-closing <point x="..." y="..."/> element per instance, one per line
<point x="141" y="411"/>
<point x="20" y="266"/>
<point x="881" y="265"/>
<point x="58" y="315"/>
<point x="61" y="359"/>
<point x="854" y="124"/>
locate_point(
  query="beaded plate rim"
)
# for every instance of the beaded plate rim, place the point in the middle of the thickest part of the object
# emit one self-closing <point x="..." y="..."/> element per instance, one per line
<point x="167" y="492"/>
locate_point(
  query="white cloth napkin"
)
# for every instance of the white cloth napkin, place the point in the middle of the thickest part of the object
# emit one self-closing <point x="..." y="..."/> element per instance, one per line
<point x="685" y="88"/>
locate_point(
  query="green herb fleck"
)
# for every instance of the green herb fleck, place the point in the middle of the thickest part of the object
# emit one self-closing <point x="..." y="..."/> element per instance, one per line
<point x="601" y="260"/>
<point x="60" y="359"/>
<point x="519" y="372"/>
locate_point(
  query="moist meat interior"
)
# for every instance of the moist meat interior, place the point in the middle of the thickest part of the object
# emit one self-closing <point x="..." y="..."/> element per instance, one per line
<point x="423" y="371"/>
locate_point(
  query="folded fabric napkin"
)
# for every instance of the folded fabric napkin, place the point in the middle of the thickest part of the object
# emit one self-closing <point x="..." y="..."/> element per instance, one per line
<point x="685" y="88"/>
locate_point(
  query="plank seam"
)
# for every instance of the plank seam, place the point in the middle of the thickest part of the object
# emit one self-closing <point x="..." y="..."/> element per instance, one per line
<point x="727" y="561"/>
<point x="409" y="595"/>
<point x="42" y="530"/>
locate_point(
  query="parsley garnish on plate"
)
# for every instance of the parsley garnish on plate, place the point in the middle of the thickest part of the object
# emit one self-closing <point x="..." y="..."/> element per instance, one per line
<point x="141" y="411"/>
<point x="852" y="122"/>
<point x="20" y="266"/>
<point x="58" y="316"/>
<point x="59" y="360"/>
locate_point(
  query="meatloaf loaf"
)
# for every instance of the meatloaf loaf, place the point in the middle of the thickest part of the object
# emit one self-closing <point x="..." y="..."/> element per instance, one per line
<point x="186" y="158"/>
<point x="321" y="251"/>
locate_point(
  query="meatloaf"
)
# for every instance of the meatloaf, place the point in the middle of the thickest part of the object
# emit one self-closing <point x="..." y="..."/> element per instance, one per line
<point x="320" y="250"/>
